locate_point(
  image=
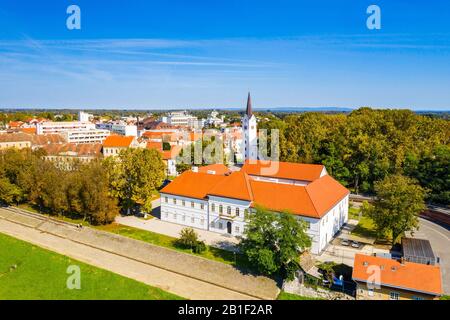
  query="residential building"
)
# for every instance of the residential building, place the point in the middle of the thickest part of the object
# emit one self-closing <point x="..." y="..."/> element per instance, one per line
<point x="22" y="140"/>
<point x="219" y="202"/>
<point x="180" y="118"/>
<point x="214" y="120"/>
<point x="14" y="140"/>
<point x="59" y="127"/>
<point x="250" y="132"/>
<point x="84" y="116"/>
<point x="380" y="278"/>
<point x="114" y="144"/>
<point x="65" y="155"/>
<point x="86" y="136"/>
<point x="124" y="129"/>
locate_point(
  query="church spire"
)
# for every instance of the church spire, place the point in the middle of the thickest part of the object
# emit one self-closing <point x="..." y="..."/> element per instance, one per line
<point x="249" y="106"/>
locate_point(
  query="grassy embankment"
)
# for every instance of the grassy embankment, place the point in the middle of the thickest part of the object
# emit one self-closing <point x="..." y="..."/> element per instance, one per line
<point x="30" y="272"/>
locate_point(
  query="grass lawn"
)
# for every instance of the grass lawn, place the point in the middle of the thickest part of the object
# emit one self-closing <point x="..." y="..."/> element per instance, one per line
<point x="289" y="296"/>
<point x="30" y="272"/>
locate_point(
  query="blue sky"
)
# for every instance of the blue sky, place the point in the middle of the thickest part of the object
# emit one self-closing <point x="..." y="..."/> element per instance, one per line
<point x="182" y="54"/>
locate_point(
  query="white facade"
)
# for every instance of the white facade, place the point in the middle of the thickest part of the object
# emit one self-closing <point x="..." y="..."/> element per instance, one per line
<point x="84" y="116"/>
<point x="250" y="145"/>
<point x="227" y="216"/>
<point x="180" y="118"/>
<point x="125" y="129"/>
<point x="59" y="127"/>
<point x="86" y="136"/>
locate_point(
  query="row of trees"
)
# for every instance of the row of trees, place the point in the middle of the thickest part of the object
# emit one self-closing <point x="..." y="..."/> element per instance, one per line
<point x="367" y="145"/>
<point x="95" y="191"/>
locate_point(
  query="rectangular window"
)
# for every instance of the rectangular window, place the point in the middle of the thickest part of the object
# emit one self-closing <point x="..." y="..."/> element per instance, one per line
<point x="192" y="204"/>
<point x="237" y="212"/>
<point x="183" y="203"/>
<point x="212" y="224"/>
<point x="236" y="229"/>
<point x="166" y="199"/>
<point x="174" y="201"/>
<point x="192" y="220"/>
<point x="220" y="225"/>
<point x="213" y="207"/>
<point x="202" y="221"/>
<point x="220" y="209"/>
<point x="229" y="210"/>
<point x="202" y="206"/>
<point x="394" y="295"/>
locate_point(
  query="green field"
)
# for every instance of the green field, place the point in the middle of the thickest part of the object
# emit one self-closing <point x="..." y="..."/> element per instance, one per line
<point x="290" y="296"/>
<point x="30" y="272"/>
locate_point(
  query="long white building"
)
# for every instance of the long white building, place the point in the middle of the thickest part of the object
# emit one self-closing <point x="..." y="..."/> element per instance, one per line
<point x="219" y="203"/>
<point x="59" y="127"/>
<point x="86" y="136"/>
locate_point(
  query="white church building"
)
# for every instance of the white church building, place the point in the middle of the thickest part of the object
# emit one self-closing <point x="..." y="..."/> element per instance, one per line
<point x="218" y="200"/>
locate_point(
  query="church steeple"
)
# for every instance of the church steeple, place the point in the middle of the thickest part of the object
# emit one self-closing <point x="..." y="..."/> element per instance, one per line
<point x="249" y="106"/>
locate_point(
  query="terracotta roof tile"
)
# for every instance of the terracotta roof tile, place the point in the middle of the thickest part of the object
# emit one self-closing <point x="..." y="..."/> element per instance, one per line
<point x="409" y="276"/>
<point x="192" y="184"/>
<point x="118" y="141"/>
<point x="284" y="170"/>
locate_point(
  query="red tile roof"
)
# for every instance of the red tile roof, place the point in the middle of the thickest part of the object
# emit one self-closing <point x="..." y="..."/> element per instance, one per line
<point x="284" y="170"/>
<point x="313" y="200"/>
<point x="408" y="276"/>
<point x="192" y="184"/>
<point x="154" y="145"/>
<point x="172" y="153"/>
<point x="218" y="168"/>
<point x="115" y="141"/>
<point x="79" y="150"/>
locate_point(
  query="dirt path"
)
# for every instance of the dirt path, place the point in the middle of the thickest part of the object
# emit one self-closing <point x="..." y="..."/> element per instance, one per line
<point x="185" y="275"/>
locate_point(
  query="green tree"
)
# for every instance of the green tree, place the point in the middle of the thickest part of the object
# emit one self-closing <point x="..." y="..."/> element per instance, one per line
<point x="399" y="200"/>
<point x="189" y="239"/>
<point x="274" y="241"/>
<point x="134" y="176"/>
<point x="9" y="193"/>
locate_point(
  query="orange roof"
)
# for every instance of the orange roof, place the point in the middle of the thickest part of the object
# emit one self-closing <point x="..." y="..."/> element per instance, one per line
<point x="284" y="170"/>
<point x="118" y="141"/>
<point x="408" y="276"/>
<point x="218" y="168"/>
<point x="15" y="124"/>
<point x="192" y="184"/>
<point x="172" y="153"/>
<point x="80" y="150"/>
<point x="29" y="130"/>
<point x="314" y="200"/>
<point x="154" y="145"/>
<point x="236" y="186"/>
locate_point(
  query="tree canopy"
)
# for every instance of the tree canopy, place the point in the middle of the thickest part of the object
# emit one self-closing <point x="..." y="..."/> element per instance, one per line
<point x="399" y="200"/>
<point x="366" y="145"/>
<point x="274" y="241"/>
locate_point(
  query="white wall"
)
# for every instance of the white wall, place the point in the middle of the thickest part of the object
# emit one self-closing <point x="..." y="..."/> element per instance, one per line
<point x="195" y="217"/>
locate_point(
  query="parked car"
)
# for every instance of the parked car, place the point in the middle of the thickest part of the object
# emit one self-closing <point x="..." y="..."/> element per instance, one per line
<point x="355" y="244"/>
<point x="345" y="242"/>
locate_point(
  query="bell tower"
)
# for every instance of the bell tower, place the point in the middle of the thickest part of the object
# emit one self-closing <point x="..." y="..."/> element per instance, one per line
<point x="249" y="129"/>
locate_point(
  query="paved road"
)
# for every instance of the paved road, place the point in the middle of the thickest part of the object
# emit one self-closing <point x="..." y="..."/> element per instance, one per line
<point x="439" y="238"/>
<point x="185" y="275"/>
